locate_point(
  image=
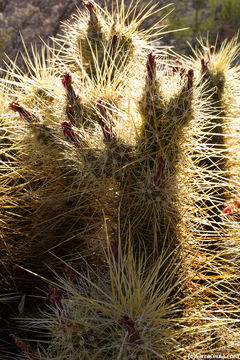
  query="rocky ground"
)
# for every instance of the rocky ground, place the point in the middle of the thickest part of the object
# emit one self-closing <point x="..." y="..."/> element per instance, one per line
<point x="33" y="19"/>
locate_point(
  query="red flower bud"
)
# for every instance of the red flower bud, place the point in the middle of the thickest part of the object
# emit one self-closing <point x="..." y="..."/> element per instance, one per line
<point x="113" y="45"/>
<point x="204" y="64"/>
<point x="236" y="204"/>
<point x="67" y="80"/>
<point x="24" y="114"/>
<point x="190" y="79"/>
<point x="107" y="131"/>
<point x="92" y="11"/>
<point x="69" y="132"/>
<point x="67" y="83"/>
<point x="101" y="106"/>
<point x="228" y="210"/>
<point x="102" y="119"/>
<point x="133" y="336"/>
<point x="232" y="209"/>
<point x="71" y="114"/>
<point x="178" y="68"/>
<point x="25" y="347"/>
<point x="71" y="274"/>
<point x="151" y="67"/>
<point x="159" y="176"/>
<point x="211" y="50"/>
<point x="54" y="296"/>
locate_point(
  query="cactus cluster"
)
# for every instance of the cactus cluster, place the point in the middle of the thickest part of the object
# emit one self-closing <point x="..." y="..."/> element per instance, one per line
<point x="120" y="173"/>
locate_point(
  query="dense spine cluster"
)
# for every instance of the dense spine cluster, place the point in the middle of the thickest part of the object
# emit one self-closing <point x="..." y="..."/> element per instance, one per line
<point x="122" y="165"/>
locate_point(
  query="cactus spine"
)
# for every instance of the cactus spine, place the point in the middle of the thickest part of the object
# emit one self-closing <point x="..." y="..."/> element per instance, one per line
<point x="110" y="140"/>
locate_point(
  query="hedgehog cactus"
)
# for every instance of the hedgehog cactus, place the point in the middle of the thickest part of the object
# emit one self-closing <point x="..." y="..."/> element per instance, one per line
<point x="109" y="145"/>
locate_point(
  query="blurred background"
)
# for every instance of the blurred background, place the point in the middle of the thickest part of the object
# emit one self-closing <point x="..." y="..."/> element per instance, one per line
<point x="39" y="19"/>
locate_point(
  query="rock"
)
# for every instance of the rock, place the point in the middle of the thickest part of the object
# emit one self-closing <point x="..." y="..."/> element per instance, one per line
<point x="33" y="19"/>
